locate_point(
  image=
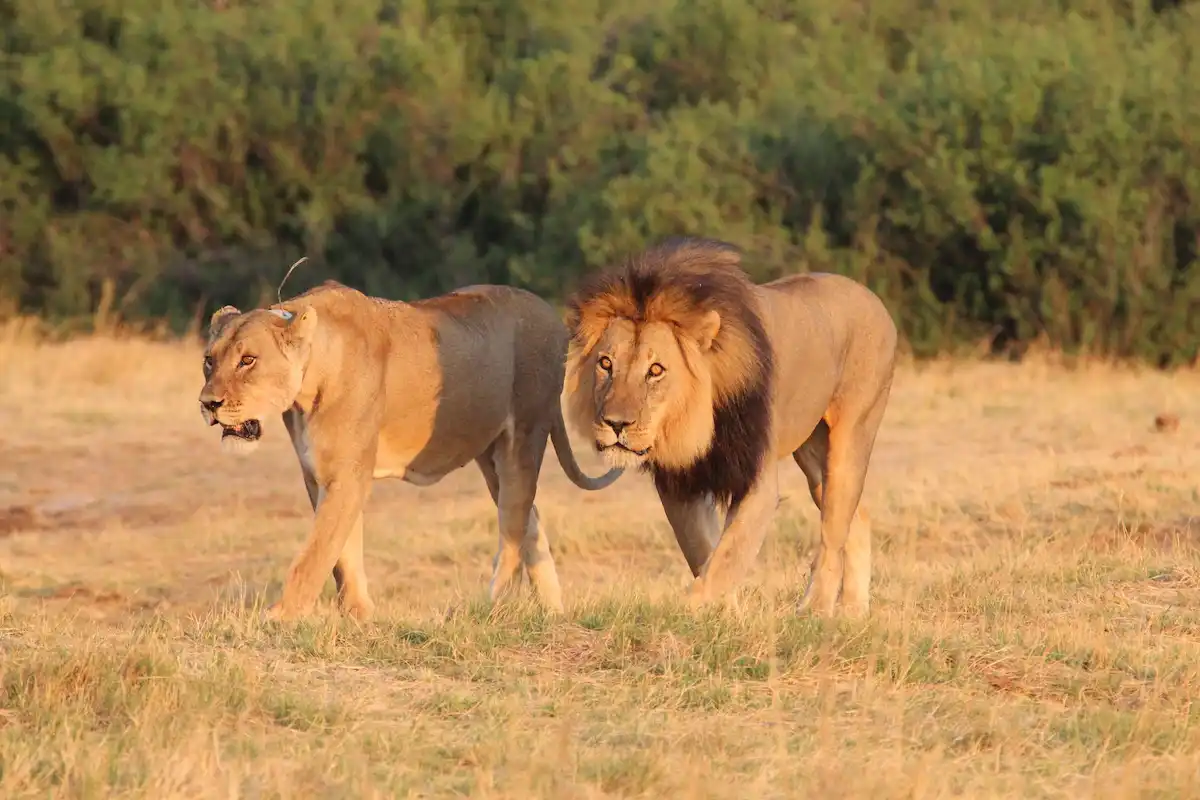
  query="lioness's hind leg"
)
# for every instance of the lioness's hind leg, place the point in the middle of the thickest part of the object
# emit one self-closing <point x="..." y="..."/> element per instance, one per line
<point x="518" y="461"/>
<point x="507" y="561"/>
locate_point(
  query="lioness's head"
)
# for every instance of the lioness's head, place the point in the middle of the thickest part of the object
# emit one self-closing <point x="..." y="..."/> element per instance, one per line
<point x="658" y="347"/>
<point x="253" y="368"/>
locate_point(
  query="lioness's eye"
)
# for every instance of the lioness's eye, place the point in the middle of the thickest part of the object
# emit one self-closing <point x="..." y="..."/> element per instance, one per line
<point x="246" y="361"/>
<point x="657" y="369"/>
<point x="208" y="362"/>
<point x="606" y="363"/>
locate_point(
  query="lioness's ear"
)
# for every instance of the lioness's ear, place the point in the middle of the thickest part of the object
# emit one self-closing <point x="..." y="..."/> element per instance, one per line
<point x="708" y="328"/>
<point x="301" y="328"/>
<point x="220" y="317"/>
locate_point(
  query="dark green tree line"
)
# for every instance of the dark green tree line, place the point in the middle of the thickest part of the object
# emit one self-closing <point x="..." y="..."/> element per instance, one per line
<point x="1005" y="171"/>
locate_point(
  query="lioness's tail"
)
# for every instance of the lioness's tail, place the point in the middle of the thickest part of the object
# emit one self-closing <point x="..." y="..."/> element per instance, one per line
<point x="566" y="457"/>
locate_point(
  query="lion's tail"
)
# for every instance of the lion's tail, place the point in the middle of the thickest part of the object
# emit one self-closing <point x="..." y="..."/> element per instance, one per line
<point x="566" y="457"/>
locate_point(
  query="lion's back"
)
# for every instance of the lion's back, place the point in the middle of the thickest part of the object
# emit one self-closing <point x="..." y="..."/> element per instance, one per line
<point x="830" y="333"/>
<point x="847" y="307"/>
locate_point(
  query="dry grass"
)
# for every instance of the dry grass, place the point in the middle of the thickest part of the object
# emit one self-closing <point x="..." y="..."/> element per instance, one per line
<point x="1035" y="632"/>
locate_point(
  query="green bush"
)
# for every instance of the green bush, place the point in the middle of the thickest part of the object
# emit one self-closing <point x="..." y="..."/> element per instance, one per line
<point x="997" y="171"/>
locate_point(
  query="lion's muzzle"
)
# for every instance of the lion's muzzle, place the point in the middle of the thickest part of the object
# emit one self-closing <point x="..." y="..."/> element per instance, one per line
<point x="612" y="435"/>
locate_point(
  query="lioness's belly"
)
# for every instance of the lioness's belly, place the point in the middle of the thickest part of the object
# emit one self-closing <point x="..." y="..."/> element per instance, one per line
<point x="446" y="409"/>
<point x="450" y="445"/>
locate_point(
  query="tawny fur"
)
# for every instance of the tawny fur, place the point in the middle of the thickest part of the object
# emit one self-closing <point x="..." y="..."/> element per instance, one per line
<point x="370" y="388"/>
<point x="680" y="365"/>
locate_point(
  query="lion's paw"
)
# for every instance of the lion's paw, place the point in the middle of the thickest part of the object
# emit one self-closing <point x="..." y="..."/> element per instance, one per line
<point x="700" y="596"/>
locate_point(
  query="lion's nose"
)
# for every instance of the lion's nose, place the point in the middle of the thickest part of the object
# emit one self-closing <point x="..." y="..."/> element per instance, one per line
<point x="617" y="425"/>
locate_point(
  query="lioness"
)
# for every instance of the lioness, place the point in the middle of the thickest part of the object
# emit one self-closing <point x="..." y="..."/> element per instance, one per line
<point x="371" y="388"/>
<point x="681" y="366"/>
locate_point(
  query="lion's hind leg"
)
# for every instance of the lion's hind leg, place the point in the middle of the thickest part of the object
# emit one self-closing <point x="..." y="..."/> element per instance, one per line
<point x="512" y="474"/>
<point x="835" y="465"/>
<point x="812" y="457"/>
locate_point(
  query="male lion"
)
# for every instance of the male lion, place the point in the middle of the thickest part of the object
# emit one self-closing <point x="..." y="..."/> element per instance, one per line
<point x="371" y="388"/>
<point x="680" y="365"/>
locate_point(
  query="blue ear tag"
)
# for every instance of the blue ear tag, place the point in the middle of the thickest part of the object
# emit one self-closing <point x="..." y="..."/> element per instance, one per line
<point x="279" y="312"/>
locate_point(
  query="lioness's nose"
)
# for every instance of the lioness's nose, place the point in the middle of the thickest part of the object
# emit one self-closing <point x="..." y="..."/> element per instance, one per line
<point x="617" y="425"/>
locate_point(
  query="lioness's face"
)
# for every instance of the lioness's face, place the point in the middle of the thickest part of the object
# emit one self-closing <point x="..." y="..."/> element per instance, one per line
<point x="644" y="386"/>
<point x="253" y="368"/>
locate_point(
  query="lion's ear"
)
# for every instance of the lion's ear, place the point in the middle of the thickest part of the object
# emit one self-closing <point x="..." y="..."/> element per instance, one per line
<point x="220" y="317"/>
<point x="707" y="329"/>
<point x="301" y="328"/>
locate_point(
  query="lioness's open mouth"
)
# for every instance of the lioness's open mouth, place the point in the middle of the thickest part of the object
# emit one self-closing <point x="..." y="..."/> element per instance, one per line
<point x="250" y="430"/>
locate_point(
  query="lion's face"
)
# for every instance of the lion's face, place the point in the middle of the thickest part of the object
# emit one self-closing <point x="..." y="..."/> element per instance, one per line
<point x="253" y="368"/>
<point x="651" y="395"/>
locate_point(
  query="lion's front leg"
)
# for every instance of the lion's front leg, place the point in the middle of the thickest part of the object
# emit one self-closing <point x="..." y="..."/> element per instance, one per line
<point x="696" y="526"/>
<point x="745" y="529"/>
<point x="338" y="516"/>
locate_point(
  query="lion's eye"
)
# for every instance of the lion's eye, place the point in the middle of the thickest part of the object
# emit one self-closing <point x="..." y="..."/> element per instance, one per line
<point x="657" y="369"/>
<point x="208" y="362"/>
<point x="606" y="363"/>
<point x="246" y="361"/>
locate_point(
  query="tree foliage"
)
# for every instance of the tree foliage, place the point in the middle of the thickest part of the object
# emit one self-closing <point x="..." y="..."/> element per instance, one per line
<point x="1004" y="171"/>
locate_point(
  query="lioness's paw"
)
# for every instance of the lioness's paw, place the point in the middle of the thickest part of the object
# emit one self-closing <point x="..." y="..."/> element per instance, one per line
<point x="818" y="610"/>
<point x="855" y="610"/>
<point x="280" y="613"/>
<point x="360" y="610"/>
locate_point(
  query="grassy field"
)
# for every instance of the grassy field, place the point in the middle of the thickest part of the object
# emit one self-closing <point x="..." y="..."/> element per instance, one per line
<point x="1035" y="629"/>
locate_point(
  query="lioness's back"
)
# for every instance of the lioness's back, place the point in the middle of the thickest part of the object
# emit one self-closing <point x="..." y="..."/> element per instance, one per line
<point x="538" y="335"/>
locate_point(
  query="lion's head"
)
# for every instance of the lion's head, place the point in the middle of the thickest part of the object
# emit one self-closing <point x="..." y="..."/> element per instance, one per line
<point x="253" y="368"/>
<point x="669" y="368"/>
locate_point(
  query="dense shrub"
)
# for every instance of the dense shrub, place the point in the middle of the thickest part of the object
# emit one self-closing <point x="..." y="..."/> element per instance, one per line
<point x="998" y="171"/>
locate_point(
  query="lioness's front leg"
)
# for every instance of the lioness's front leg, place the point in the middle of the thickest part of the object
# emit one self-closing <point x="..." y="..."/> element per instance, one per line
<point x="350" y="576"/>
<point x="349" y="573"/>
<point x="338" y="514"/>
<point x="745" y="528"/>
